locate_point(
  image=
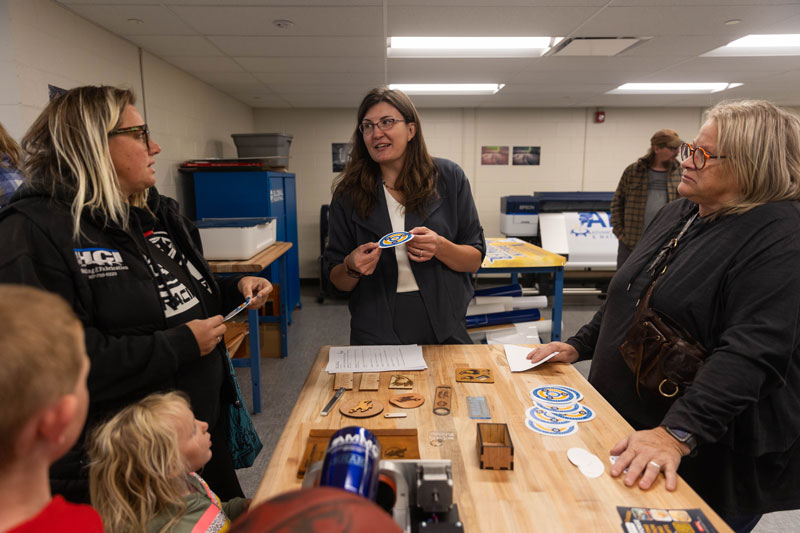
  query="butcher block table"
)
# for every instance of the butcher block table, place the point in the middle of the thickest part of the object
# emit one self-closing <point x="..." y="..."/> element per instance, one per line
<point x="544" y="491"/>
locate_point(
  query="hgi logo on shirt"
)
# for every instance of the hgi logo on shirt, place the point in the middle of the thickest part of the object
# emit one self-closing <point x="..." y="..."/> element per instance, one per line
<point x="99" y="262"/>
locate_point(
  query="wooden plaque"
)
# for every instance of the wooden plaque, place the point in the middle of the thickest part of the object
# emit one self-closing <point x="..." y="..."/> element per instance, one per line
<point x="407" y="400"/>
<point x="474" y="375"/>
<point x="370" y="381"/>
<point x="361" y="408"/>
<point x="343" y="379"/>
<point x="400" y="381"/>
<point x="441" y="403"/>
<point x="395" y="444"/>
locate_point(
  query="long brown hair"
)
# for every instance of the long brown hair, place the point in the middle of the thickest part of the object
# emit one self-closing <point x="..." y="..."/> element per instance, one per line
<point x="419" y="176"/>
<point x="9" y="147"/>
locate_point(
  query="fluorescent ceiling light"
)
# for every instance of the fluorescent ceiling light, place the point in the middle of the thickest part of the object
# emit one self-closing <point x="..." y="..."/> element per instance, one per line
<point x="470" y="46"/>
<point x="787" y="44"/>
<point x="672" y="88"/>
<point x="763" y="41"/>
<point x="448" y="88"/>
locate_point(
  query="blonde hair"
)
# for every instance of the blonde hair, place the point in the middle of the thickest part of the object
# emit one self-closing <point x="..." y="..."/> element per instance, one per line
<point x="8" y="147"/>
<point x="66" y="152"/>
<point x="136" y="470"/>
<point x="761" y="145"/>
<point x="41" y="357"/>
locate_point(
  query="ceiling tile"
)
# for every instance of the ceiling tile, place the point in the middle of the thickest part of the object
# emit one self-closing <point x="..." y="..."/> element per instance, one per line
<point x="300" y="46"/>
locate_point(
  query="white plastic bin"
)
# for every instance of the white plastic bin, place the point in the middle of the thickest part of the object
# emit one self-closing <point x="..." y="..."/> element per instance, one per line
<point x="236" y="238"/>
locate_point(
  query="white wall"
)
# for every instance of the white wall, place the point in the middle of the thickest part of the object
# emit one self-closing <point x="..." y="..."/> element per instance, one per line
<point x="576" y="153"/>
<point x="43" y="43"/>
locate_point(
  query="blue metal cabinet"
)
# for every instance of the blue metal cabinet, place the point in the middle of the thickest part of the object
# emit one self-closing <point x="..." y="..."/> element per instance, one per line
<point x="230" y="194"/>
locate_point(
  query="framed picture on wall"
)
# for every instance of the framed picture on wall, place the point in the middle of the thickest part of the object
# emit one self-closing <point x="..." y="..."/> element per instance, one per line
<point x="494" y="155"/>
<point x="526" y="155"/>
<point x="339" y="153"/>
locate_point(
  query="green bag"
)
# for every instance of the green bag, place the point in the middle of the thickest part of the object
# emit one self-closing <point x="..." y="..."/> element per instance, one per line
<point x="243" y="439"/>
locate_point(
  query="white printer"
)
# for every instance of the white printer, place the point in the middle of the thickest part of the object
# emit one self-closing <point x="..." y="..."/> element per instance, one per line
<point x="519" y="216"/>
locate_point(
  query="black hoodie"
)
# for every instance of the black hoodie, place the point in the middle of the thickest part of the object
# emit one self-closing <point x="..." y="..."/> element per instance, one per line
<point x="105" y="277"/>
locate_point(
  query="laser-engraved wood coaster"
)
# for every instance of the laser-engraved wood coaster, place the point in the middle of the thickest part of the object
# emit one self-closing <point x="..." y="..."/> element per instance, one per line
<point x="361" y="408"/>
<point x="474" y="375"/>
<point x="400" y="381"/>
<point x="343" y="379"/>
<point x="408" y="400"/>
<point x="370" y="381"/>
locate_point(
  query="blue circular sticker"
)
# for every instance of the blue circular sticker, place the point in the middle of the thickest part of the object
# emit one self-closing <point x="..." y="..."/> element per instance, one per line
<point x="555" y="394"/>
<point x="393" y="239"/>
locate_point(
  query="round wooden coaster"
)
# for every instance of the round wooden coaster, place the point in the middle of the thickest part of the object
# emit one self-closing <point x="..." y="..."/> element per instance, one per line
<point x="361" y="408"/>
<point x="408" y="400"/>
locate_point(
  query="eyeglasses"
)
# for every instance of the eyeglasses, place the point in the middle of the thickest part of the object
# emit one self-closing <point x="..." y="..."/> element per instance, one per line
<point x="698" y="155"/>
<point x="385" y="124"/>
<point x="144" y="136"/>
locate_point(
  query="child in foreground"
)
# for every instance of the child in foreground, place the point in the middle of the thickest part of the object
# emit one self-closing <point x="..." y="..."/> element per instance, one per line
<point x="142" y="474"/>
<point x="43" y="370"/>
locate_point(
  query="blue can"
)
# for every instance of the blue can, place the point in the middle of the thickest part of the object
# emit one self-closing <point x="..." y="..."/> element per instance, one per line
<point x="352" y="461"/>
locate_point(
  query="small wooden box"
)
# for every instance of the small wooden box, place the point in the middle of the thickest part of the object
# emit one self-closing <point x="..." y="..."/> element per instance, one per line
<point x="495" y="449"/>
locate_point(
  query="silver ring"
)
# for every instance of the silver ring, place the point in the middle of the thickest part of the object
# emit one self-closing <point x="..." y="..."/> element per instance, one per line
<point x="655" y="464"/>
<point x="419" y="253"/>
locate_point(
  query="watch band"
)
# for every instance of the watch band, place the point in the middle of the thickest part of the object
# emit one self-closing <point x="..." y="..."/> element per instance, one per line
<point x="681" y="435"/>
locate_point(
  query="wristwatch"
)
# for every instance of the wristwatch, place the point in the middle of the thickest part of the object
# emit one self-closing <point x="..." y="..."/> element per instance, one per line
<point x="683" y="436"/>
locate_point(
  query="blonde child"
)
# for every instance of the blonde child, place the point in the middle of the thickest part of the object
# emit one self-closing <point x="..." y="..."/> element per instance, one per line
<point x="43" y="370"/>
<point x="142" y="473"/>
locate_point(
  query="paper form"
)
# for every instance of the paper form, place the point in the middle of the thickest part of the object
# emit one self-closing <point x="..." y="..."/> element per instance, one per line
<point x="375" y="358"/>
<point x="516" y="356"/>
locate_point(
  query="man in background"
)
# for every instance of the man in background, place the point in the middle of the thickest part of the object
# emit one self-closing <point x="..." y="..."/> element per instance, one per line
<point x="644" y="188"/>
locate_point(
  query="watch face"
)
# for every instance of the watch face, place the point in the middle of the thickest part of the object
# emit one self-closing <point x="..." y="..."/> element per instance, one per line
<point x="680" y="434"/>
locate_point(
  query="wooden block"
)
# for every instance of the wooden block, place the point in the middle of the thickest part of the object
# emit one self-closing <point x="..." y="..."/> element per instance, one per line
<point x="400" y="381"/>
<point x="395" y="444"/>
<point x="474" y="375"/>
<point x="370" y="381"/>
<point x="444" y="397"/>
<point x="495" y="449"/>
<point x="343" y="379"/>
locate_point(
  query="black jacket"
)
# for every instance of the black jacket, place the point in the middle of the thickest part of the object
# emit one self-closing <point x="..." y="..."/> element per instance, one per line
<point x="445" y="292"/>
<point x="112" y="290"/>
<point x="734" y="285"/>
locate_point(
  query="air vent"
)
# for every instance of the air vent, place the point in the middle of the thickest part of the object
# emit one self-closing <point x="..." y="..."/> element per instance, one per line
<point x="595" y="46"/>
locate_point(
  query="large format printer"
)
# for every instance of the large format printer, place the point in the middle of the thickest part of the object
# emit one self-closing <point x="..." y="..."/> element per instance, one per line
<point x="576" y="225"/>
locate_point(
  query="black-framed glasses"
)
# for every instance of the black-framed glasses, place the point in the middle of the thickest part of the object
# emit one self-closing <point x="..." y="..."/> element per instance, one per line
<point x="384" y="124"/>
<point x="698" y="155"/>
<point x="144" y="135"/>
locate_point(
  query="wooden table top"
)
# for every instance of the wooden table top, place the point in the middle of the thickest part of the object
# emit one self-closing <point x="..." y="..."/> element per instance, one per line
<point x="544" y="492"/>
<point x="257" y="263"/>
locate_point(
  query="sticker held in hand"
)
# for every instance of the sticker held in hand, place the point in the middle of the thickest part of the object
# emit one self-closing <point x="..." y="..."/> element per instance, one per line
<point x="394" y="238"/>
<point x="237" y="310"/>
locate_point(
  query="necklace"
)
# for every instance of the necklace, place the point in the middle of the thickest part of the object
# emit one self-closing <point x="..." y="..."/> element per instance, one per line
<point x="389" y="187"/>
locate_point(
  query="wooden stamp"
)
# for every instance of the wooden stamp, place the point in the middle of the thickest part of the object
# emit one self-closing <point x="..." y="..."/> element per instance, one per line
<point x="495" y="449"/>
<point x="343" y="379"/>
<point x="400" y="381"/>
<point x="370" y="381"/>
<point x="474" y="375"/>
<point x="361" y="408"/>
<point x="441" y="404"/>
<point x="408" y="400"/>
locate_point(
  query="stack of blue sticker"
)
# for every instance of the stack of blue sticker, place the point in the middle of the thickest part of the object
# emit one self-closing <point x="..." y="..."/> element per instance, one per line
<point x="556" y="411"/>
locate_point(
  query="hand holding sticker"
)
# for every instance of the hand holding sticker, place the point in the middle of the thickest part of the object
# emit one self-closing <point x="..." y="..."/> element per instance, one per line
<point x="237" y="310"/>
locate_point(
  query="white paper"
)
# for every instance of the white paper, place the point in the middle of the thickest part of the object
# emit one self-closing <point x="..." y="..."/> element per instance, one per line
<point x="516" y="356"/>
<point x="375" y="358"/>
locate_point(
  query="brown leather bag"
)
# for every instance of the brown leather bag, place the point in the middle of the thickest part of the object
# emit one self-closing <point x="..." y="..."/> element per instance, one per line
<point x="663" y="355"/>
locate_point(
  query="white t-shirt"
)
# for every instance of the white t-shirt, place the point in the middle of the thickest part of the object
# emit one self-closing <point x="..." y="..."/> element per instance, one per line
<point x="406" y="282"/>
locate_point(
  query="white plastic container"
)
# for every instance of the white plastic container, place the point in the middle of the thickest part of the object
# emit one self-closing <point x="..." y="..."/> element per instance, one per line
<point x="235" y="238"/>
